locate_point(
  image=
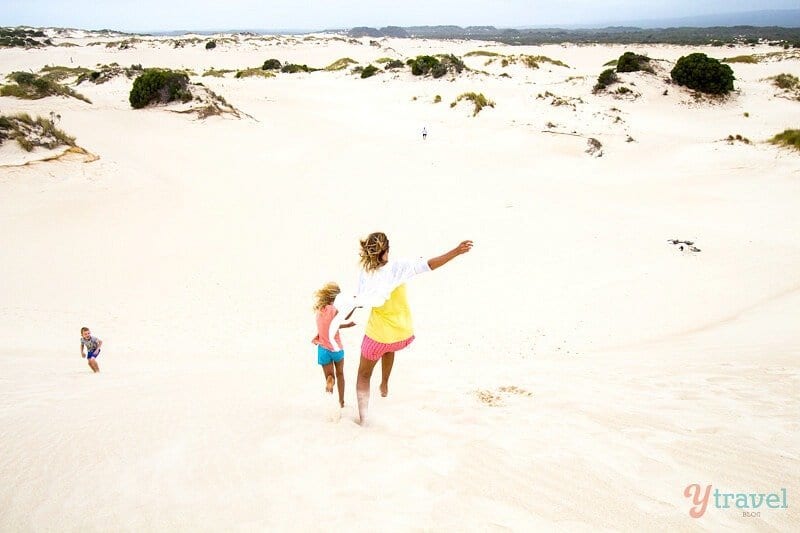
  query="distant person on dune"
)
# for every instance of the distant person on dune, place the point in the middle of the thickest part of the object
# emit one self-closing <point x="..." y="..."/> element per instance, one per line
<point x="381" y="287"/>
<point x="330" y="353"/>
<point x="424" y="133"/>
<point x="92" y="345"/>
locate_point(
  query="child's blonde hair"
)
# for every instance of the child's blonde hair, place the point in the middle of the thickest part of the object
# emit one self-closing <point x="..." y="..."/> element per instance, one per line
<point x="326" y="295"/>
<point x="372" y="250"/>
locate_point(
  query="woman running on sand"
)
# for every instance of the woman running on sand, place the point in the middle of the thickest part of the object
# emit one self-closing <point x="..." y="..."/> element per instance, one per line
<point x="381" y="286"/>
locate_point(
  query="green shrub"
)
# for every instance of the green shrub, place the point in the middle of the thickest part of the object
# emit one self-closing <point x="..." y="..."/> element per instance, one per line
<point x="612" y="63"/>
<point x="393" y="64"/>
<point x="340" y="64"/>
<point x="382" y="60"/>
<point x="369" y="71"/>
<point x="630" y="62"/>
<point x="437" y="99"/>
<point x="786" y="81"/>
<point x="156" y="86"/>
<point x="478" y="99"/>
<point x="606" y="78"/>
<point x="422" y="65"/>
<point x="32" y="87"/>
<point x="623" y="90"/>
<point x="291" y="68"/>
<point x="704" y="74"/>
<point x="789" y="139"/>
<point x="210" y="45"/>
<point x="271" y="64"/>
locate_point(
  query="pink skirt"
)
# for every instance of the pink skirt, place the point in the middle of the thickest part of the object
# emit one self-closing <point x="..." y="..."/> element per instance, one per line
<point x="374" y="350"/>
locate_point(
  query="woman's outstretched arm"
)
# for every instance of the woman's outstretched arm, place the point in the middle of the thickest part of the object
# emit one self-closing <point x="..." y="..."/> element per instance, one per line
<point x="462" y="248"/>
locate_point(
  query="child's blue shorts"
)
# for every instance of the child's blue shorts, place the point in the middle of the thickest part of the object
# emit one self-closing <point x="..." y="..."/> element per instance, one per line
<point x="325" y="356"/>
<point x="92" y="355"/>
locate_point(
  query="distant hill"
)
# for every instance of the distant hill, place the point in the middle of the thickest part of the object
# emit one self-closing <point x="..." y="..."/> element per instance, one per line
<point x="785" y="18"/>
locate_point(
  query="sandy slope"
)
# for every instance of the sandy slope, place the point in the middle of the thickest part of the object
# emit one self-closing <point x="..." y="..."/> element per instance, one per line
<point x="192" y="249"/>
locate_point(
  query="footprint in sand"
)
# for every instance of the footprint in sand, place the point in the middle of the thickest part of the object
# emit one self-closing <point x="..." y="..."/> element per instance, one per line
<point x="495" y="398"/>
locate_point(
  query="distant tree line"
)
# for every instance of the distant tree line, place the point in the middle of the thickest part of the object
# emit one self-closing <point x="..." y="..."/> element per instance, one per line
<point x="613" y="35"/>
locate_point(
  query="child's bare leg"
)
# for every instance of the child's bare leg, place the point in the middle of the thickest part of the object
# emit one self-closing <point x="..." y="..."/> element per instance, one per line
<point x="328" y="371"/>
<point x="386" y="369"/>
<point x="93" y="365"/>
<point x="365" y="367"/>
<point x="340" y="380"/>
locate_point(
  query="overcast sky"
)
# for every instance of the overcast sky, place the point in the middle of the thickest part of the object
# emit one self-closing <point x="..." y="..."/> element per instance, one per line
<point x="155" y="15"/>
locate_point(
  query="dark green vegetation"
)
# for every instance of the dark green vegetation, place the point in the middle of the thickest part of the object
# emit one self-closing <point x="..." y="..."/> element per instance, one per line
<point x="30" y="133"/>
<point x="369" y="71"/>
<point x="32" y="87"/>
<point x="435" y="66"/>
<point x="291" y="68"/>
<point x="22" y="38"/>
<point x="704" y="74"/>
<point x="157" y="86"/>
<point x="788" y="139"/>
<point x="717" y="36"/>
<point x="606" y="78"/>
<point x="210" y="45"/>
<point x="630" y="62"/>
<point x="271" y="64"/>
<point x="393" y="64"/>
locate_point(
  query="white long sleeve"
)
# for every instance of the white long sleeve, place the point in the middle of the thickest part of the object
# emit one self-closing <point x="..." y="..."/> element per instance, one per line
<point x="374" y="288"/>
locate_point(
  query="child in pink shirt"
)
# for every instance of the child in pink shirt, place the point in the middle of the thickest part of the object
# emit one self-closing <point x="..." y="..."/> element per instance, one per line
<point x="330" y="308"/>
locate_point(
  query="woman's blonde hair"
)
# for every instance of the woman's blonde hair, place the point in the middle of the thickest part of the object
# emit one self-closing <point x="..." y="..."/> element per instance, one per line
<point x="326" y="295"/>
<point x="372" y="250"/>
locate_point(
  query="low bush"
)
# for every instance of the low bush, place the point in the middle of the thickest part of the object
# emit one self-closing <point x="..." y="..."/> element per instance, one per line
<point x="704" y="74"/>
<point x="340" y="64"/>
<point x="369" y="71"/>
<point x="253" y="72"/>
<point x="58" y="73"/>
<point x="32" y="87"/>
<point x="786" y="82"/>
<point x="422" y="65"/>
<point x="156" y="86"/>
<point x="630" y="62"/>
<point x="741" y="59"/>
<point x="271" y="64"/>
<point x="30" y="133"/>
<point x="291" y="68"/>
<point x="478" y="99"/>
<point x="606" y="78"/>
<point x="788" y="139"/>
<point x="393" y="64"/>
<point x="216" y="73"/>
<point x="485" y="53"/>
<point x="210" y="45"/>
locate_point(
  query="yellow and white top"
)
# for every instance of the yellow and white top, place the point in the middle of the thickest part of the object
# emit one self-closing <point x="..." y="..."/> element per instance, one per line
<point x="384" y="291"/>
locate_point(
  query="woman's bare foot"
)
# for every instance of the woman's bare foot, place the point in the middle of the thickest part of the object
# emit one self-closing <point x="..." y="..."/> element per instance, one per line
<point x="329" y="385"/>
<point x="384" y="389"/>
<point x="341" y="404"/>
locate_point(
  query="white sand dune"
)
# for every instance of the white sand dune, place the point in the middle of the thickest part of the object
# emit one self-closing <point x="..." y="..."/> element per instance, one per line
<point x="192" y="248"/>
